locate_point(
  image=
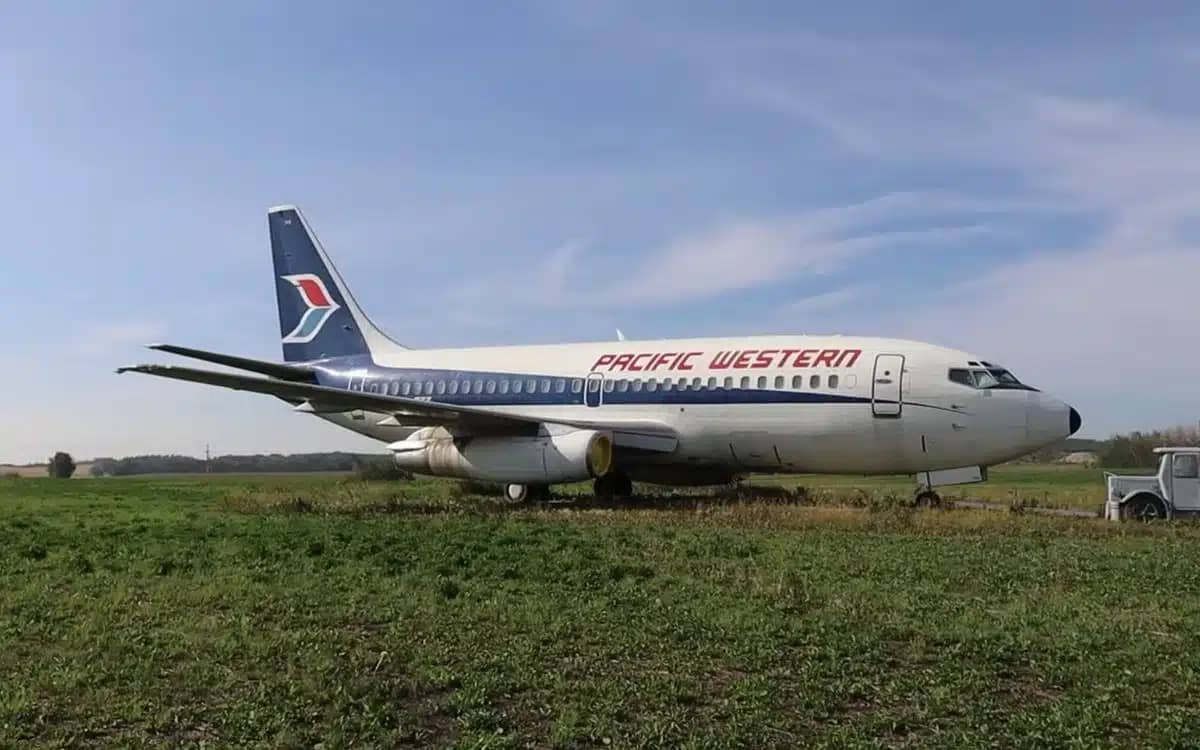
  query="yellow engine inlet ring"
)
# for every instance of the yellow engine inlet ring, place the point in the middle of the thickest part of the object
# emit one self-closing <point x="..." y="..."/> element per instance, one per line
<point x="599" y="455"/>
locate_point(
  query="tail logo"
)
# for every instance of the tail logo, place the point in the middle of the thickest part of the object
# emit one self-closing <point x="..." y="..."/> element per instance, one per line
<point x="321" y="307"/>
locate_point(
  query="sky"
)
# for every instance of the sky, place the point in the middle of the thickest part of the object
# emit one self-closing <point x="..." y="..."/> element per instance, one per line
<point x="1016" y="179"/>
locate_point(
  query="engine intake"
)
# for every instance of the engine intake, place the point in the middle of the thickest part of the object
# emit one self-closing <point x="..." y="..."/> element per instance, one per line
<point x="544" y="459"/>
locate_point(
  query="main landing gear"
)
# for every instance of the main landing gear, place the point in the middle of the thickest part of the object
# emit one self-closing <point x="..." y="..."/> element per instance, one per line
<point x="527" y="493"/>
<point x="612" y="485"/>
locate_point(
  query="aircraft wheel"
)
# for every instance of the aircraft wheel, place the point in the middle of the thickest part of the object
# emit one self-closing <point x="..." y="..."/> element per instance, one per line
<point x="521" y="494"/>
<point x="517" y="493"/>
<point x="612" y="485"/>
<point x="604" y="488"/>
<point x="927" y="499"/>
<point x="624" y="486"/>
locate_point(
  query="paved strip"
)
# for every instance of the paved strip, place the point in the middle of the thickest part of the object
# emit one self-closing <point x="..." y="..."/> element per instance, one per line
<point x="1065" y="512"/>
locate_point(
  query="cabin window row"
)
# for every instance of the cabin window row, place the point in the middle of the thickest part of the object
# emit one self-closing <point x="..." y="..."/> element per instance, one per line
<point x="762" y="382"/>
<point x="576" y="385"/>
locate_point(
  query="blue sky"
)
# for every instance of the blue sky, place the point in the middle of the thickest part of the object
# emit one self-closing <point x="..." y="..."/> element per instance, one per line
<point x="1017" y="181"/>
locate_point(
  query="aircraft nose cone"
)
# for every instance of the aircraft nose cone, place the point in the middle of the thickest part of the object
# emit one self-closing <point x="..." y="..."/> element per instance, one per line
<point x="1075" y="421"/>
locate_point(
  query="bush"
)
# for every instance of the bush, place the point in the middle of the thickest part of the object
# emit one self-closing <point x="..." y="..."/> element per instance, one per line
<point x="380" y="468"/>
<point x="62" y="466"/>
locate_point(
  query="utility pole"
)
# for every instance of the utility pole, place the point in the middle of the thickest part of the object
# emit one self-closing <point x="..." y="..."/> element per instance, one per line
<point x="207" y="457"/>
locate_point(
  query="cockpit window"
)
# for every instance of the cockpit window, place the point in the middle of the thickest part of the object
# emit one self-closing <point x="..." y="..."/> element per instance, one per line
<point x="986" y="378"/>
<point x="1004" y="376"/>
<point x="962" y="377"/>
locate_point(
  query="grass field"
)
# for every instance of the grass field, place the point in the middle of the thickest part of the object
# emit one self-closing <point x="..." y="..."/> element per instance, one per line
<point x="292" y="611"/>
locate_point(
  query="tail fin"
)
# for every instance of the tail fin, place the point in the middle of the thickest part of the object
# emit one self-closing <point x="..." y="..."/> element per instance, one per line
<point x="318" y="317"/>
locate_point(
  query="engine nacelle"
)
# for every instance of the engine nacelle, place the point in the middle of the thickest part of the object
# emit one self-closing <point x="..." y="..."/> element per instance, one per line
<point x="543" y="459"/>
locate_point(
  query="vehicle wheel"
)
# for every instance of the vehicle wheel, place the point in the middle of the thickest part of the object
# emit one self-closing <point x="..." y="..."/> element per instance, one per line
<point x="539" y="493"/>
<point x="1144" y="508"/>
<point x="927" y="499"/>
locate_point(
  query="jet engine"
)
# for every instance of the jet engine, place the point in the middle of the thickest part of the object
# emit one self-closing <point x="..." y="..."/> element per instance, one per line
<point x="571" y="456"/>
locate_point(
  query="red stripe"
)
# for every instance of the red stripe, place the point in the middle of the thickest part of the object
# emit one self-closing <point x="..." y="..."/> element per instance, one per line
<point x="313" y="293"/>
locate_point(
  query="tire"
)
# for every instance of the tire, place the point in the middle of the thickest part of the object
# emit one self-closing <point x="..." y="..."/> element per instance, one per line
<point x="517" y="493"/>
<point x="604" y="488"/>
<point x="927" y="499"/>
<point x="1145" y="508"/>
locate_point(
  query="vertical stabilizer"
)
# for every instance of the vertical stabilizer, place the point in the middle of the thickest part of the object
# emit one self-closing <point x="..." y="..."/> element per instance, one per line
<point x="318" y="316"/>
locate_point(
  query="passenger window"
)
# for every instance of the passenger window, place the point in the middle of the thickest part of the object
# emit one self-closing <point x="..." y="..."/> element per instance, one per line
<point x="622" y="386"/>
<point x="637" y="384"/>
<point x="666" y="384"/>
<point x="814" y="381"/>
<point x="728" y="383"/>
<point x="517" y="386"/>
<point x="745" y="382"/>
<point x="779" y="381"/>
<point x="833" y="381"/>
<point x="797" y="381"/>
<point x="441" y="387"/>
<point x="712" y="384"/>
<point x="1185" y="466"/>
<point x="696" y="383"/>
<point x="428" y="387"/>
<point x="405" y="388"/>
<point x="503" y="386"/>
<point x="651" y="385"/>
<point x="453" y="387"/>
<point x="608" y="386"/>
<point x="576" y="385"/>
<point x="491" y="386"/>
<point x="466" y="387"/>
<point x="560" y="385"/>
<point x="544" y="386"/>
<point x="762" y="381"/>
<point x="531" y="386"/>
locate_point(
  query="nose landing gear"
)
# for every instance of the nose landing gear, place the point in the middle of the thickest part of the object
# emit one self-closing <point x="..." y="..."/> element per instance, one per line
<point x="926" y="498"/>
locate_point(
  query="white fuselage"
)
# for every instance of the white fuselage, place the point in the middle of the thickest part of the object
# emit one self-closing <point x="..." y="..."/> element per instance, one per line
<point x="822" y="404"/>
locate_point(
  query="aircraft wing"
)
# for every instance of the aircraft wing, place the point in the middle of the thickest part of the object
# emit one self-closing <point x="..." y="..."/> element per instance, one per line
<point x="641" y="435"/>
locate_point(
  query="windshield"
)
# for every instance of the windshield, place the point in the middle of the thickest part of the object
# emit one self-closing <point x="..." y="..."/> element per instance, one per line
<point x="986" y="378"/>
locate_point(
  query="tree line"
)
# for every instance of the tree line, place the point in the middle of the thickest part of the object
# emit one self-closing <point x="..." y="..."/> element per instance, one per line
<point x="232" y="464"/>
<point x="1136" y="449"/>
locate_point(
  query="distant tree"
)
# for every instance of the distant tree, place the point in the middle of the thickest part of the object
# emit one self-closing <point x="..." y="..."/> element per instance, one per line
<point x="62" y="466"/>
<point x="1136" y="449"/>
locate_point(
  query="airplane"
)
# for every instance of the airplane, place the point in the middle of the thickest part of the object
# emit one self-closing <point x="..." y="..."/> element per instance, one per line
<point x="700" y="411"/>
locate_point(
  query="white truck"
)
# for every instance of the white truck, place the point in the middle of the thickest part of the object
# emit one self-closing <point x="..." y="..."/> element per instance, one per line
<point x="1173" y="492"/>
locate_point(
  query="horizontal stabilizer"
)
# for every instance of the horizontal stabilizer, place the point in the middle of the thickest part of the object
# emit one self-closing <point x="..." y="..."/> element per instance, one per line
<point x="263" y="367"/>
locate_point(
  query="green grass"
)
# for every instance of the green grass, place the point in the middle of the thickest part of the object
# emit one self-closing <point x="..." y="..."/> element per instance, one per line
<point x="289" y="611"/>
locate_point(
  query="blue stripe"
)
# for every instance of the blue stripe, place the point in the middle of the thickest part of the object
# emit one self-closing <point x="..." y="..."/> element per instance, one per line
<point x="338" y="373"/>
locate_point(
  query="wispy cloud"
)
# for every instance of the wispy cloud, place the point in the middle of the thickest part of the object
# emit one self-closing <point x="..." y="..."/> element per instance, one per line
<point x="826" y="301"/>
